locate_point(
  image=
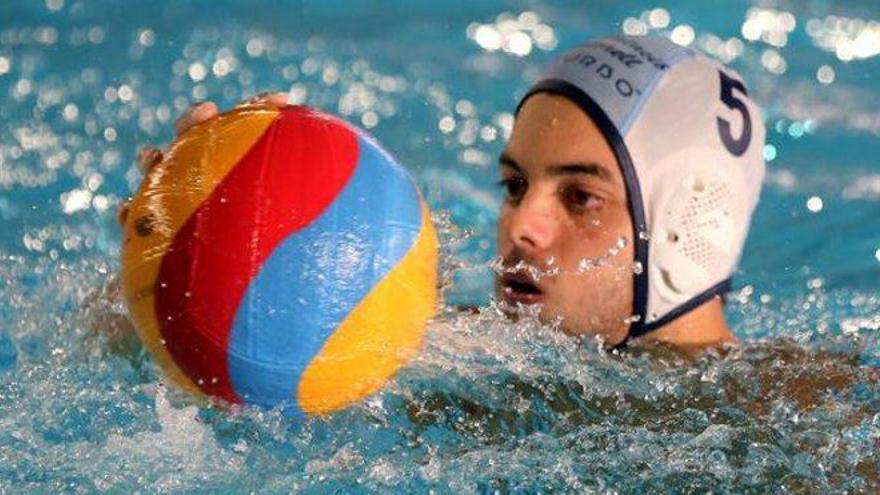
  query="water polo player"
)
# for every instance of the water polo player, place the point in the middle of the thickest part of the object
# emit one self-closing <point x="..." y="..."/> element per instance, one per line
<point x="631" y="175"/>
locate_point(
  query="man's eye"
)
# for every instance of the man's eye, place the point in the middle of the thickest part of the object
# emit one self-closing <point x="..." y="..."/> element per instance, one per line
<point x="515" y="187"/>
<point x="579" y="198"/>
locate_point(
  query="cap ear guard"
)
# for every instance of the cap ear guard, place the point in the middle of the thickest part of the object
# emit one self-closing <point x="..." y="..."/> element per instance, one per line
<point x="700" y="164"/>
<point x="691" y="240"/>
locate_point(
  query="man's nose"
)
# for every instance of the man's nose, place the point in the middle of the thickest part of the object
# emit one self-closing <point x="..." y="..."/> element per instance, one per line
<point x="533" y="226"/>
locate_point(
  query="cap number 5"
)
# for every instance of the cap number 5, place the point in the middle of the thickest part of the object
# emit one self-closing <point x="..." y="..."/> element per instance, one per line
<point x="736" y="146"/>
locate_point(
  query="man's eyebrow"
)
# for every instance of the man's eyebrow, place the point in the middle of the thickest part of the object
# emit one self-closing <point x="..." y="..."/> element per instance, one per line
<point x="593" y="169"/>
<point x="588" y="168"/>
<point x="505" y="160"/>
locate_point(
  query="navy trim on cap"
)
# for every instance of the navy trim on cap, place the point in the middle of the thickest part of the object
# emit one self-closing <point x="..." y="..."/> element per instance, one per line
<point x="633" y="191"/>
<point x="718" y="289"/>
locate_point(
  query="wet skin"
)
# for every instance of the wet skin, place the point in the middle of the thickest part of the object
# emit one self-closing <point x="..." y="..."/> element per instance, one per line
<point x="565" y="201"/>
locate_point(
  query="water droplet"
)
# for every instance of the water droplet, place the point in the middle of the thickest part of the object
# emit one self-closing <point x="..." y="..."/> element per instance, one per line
<point x="240" y="446"/>
<point x="632" y="319"/>
<point x="586" y="264"/>
<point x="637" y="267"/>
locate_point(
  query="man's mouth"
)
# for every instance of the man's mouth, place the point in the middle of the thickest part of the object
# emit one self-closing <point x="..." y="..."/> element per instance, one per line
<point x="520" y="288"/>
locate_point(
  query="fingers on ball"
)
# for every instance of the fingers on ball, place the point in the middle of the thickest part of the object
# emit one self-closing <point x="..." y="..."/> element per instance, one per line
<point x="122" y="213"/>
<point x="277" y="99"/>
<point x="195" y="114"/>
<point x="273" y="98"/>
<point x="148" y="157"/>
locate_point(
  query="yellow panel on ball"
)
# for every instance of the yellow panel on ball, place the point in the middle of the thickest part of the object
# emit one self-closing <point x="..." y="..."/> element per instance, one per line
<point x="379" y="335"/>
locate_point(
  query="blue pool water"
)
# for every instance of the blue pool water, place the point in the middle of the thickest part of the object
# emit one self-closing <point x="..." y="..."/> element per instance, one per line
<point x="488" y="405"/>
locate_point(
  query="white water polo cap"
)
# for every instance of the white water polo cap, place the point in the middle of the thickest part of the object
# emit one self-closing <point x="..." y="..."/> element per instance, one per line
<point x="689" y="142"/>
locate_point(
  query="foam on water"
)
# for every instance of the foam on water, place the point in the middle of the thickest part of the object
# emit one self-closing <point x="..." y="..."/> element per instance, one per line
<point x="488" y="404"/>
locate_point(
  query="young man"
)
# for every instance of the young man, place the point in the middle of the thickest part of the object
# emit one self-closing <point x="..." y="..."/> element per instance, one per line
<point x="631" y="175"/>
<point x="632" y="171"/>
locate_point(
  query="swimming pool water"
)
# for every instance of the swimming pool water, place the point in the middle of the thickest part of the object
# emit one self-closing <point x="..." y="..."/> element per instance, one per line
<point x="488" y="405"/>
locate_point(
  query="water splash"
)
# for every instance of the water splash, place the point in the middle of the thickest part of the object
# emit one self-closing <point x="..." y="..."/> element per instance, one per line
<point x="452" y="240"/>
<point x="499" y="267"/>
<point x="588" y="264"/>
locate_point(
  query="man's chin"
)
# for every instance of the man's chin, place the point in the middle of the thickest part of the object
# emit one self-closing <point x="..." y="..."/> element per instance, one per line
<point x="548" y="316"/>
<point x="540" y="312"/>
<point x="517" y="310"/>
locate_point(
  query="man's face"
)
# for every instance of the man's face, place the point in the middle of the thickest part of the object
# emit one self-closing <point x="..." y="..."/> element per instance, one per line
<point x="565" y="212"/>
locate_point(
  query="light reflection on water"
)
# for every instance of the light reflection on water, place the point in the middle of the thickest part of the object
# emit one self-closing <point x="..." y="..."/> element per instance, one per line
<point x="489" y="404"/>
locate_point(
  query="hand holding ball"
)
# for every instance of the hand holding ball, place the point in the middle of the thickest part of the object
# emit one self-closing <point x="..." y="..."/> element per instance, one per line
<point x="279" y="256"/>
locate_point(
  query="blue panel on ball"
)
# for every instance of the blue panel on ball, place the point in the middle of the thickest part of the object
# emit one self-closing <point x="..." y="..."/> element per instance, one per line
<point x="315" y="277"/>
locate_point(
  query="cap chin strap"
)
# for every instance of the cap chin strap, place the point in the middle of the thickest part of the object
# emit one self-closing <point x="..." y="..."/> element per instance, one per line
<point x="612" y="136"/>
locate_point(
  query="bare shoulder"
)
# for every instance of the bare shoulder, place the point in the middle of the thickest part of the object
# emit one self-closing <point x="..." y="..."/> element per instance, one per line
<point x="808" y="377"/>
